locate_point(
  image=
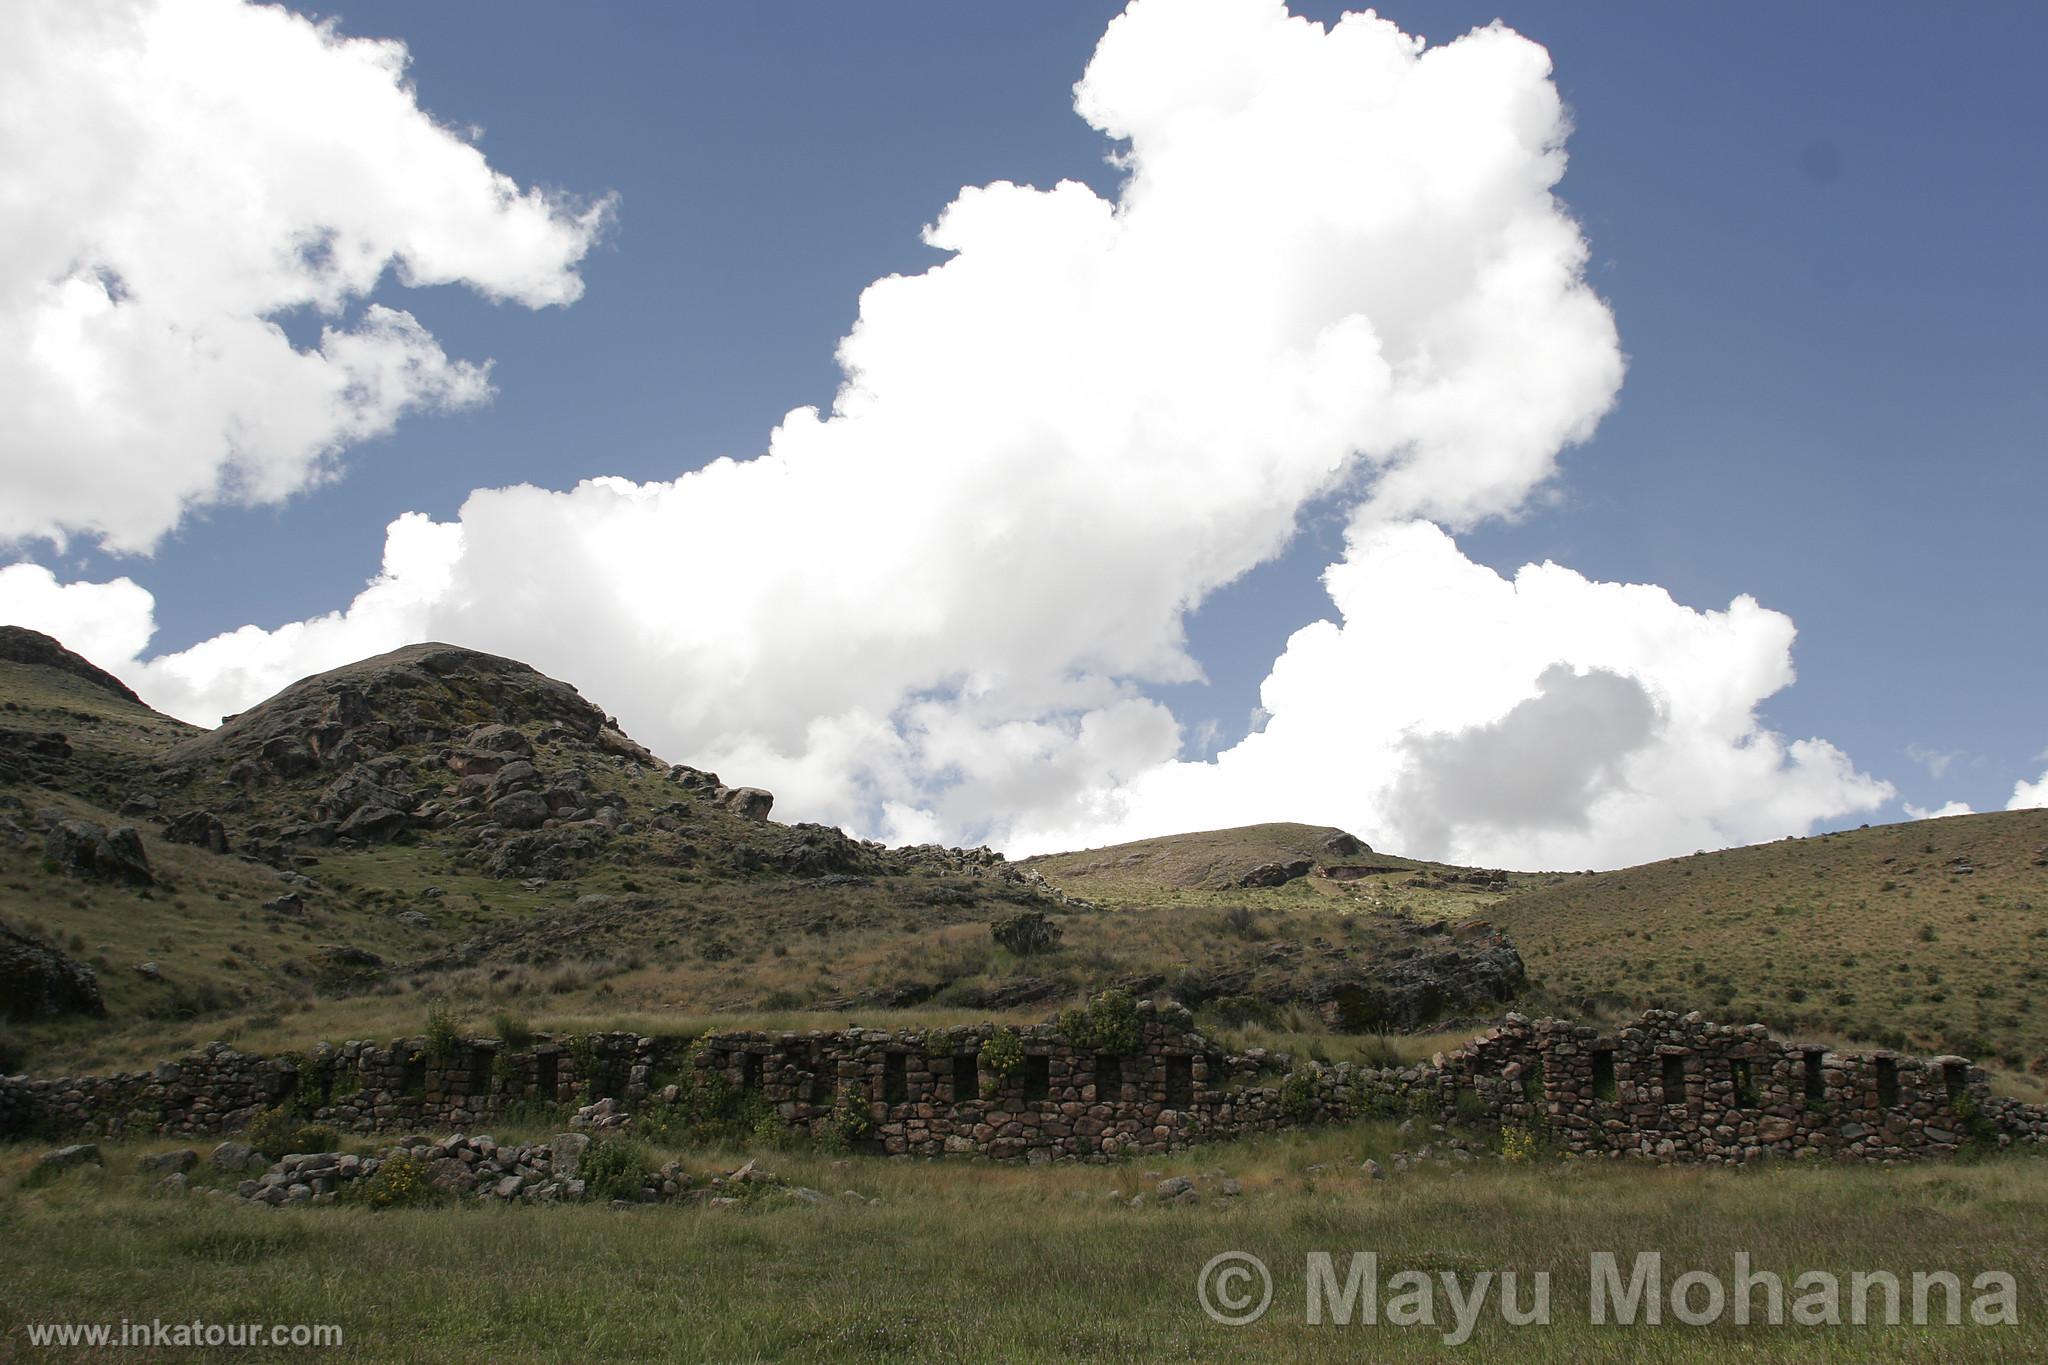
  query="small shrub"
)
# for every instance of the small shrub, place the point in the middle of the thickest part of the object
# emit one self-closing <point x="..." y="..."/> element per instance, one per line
<point x="1381" y="1052"/>
<point x="1977" y="1130"/>
<point x="615" y="1168"/>
<point x="1109" y="1024"/>
<point x="1026" y="932"/>
<point x="849" y="1122"/>
<point x="277" y="1132"/>
<point x="1363" y="1009"/>
<point x="1297" y="1095"/>
<point x="444" y="1030"/>
<point x="1469" y="1111"/>
<point x="401" y="1182"/>
<point x="1239" y="922"/>
<point x="1235" y="1011"/>
<point x="1518" y="1144"/>
<point x="515" y="1029"/>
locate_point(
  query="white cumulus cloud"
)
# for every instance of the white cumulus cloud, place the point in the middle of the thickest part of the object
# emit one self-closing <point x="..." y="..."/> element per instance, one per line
<point x="176" y="175"/>
<point x="2029" y="795"/>
<point x="1944" y="810"/>
<point x="1336" y="268"/>
<point x="1541" y="721"/>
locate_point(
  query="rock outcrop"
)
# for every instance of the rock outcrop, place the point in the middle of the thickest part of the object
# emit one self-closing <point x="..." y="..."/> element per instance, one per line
<point x="85" y="849"/>
<point x="37" y="981"/>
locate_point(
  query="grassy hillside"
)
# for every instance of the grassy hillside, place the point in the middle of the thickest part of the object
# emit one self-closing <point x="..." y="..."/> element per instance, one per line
<point x="1931" y="935"/>
<point x="1208" y="870"/>
<point x="643" y="896"/>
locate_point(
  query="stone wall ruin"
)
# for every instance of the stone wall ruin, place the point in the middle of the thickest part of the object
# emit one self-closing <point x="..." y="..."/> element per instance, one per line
<point x="1664" y="1088"/>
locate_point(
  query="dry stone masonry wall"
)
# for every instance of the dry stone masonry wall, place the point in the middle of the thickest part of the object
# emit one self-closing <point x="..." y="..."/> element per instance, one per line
<point x="1666" y="1088"/>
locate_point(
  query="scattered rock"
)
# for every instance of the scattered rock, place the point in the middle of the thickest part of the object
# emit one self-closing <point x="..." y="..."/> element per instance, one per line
<point x="63" y="1158"/>
<point x="232" y="1156"/>
<point x="182" y="1160"/>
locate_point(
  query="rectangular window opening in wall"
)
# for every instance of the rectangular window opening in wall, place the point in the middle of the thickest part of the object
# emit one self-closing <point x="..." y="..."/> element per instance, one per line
<point x="547" y="1076"/>
<point x="1180" y="1082"/>
<point x="1955" y="1079"/>
<point x="966" y="1077"/>
<point x="1674" y="1080"/>
<point x="1816" y="1077"/>
<point x="279" y="1086"/>
<point x="1532" y="1081"/>
<point x="1887" y="1083"/>
<point x="1744" y="1082"/>
<point x="607" y="1080"/>
<point x="895" y="1080"/>
<point x="480" y="1071"/>
<point x="1037" y="1079"/>
<point x="1109" y="1078"/>
<point x="414" y="1079"/>
<point x="824" y="1081"/>
<point x="1604" y="1087"/>
<point x="750" y="1071"/>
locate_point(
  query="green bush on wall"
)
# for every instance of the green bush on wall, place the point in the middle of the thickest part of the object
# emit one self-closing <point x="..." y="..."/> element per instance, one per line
<point x="1298" y="1095"/>
<point x="1003" y="1054"/>
<point x="1109" y="1024"/>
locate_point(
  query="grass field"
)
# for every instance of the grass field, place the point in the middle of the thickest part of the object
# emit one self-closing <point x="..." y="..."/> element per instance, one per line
<point x="981" y="1262"/>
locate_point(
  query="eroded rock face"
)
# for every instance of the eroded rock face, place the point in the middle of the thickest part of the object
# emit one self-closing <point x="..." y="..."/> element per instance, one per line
<point x="1276" y="874"/>
<point x="38" y="981"/>
<point x="1403" y="989"/>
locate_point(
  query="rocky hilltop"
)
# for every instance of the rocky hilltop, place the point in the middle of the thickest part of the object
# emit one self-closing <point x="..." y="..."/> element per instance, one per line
<point x="439" y="744"/>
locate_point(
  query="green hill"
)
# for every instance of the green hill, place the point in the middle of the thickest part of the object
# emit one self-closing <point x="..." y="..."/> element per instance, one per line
<point x="1931" y="935"/>
<point x="1276" y="867"/>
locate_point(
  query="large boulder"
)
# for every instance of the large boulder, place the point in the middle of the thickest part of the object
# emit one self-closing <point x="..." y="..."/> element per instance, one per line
<point x="520" y="810"/>
<point x="110" y="855"/>
<point x="200" y="828"/>
<point x="374" y="825"/>
<point x="749" y="803"/>
<point x="499" y="739"/>
<point x="39" y="982"/>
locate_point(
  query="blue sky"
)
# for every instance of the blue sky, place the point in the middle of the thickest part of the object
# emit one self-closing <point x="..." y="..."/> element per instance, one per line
<point x="1817" y="230"/>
